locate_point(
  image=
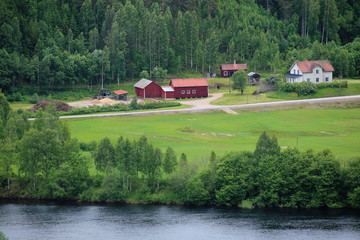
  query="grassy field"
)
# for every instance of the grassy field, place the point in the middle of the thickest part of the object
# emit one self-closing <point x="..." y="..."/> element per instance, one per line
<point x="198" y="134"/>
<point x="235" y="97"/>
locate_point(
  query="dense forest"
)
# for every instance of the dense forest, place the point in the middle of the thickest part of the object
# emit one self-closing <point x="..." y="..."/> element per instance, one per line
<point x="40" y="160"/>
<point x="64" y="43"/>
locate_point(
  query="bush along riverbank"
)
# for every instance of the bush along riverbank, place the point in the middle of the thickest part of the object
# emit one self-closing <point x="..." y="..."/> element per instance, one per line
<point x="39" y="160"/>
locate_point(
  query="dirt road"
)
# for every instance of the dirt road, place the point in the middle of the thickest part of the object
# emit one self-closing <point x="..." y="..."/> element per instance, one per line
<point x="201" y="106"/>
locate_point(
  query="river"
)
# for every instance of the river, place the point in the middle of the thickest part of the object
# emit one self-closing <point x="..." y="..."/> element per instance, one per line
<point x="41" y="221"/>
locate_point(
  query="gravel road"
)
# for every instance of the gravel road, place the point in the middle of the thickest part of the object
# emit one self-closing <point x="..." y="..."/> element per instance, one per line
<point x="203" y="105"/>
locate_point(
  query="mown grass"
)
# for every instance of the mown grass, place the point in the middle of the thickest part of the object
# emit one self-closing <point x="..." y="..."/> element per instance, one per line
<point x="236" y="98"/>
<point x="198" y="134"/>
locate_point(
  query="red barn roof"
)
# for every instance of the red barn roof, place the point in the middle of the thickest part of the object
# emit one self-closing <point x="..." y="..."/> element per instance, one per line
<point x="233" y="67"/>
<point x="190" y="82"/>
<point x="120" y="92"/>
<point x="308" y="66"/>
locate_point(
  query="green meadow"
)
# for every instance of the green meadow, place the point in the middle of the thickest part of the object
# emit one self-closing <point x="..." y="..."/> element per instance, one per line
<point x="337" y="129"/>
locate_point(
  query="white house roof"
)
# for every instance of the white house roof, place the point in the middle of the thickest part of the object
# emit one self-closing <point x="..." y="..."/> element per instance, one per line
<point x="143" y="83"/>
<point x="167" y="89"/>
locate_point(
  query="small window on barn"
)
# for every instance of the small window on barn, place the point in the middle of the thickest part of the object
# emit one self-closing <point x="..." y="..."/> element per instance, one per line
<point x="182" y="91"/>
<point x="193" y="91"/>
<point x="188" y="91"/>
<point x="317" y="79"/>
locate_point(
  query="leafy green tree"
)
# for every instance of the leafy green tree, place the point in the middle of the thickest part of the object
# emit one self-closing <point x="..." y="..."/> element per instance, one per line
<point x="39" y="153"/>
<point x="239" y="79"/>
<point x="351" y="176"/>
<point x="7" y="161"/>
<point x="17" y="124"/>
<point x="170" y="161"/>
<point x="72" y="177"/>
<point x="104" y="156"/>
<point x="266" y="146"/>
<point x="144" y="74"/>
<point x="233" y="178"/>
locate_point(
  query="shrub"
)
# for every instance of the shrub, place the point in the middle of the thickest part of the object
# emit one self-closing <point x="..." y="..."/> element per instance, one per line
<point x="272" y="80"/>
<point x="302" y="89"/>
<point x="120" y="107"/>
<point x="335" y="84"/>
<point x="34" y="98"/>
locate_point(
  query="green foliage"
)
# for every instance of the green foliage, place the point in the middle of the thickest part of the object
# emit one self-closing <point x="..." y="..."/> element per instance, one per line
<point x="306" y="88"/>
<point x="104" y="155"/>
<point x="144" y="74"/>
<point x="4" y="109"/>
<point x="2" y="236"/>
<point x="273" y="80"/>
<point x="158" y="74"/>
<point x="233" y="179"/>
<point x="170" y="161"/>
<point x="266" y="146"/>
<point x="240" y="80"/>
<point x="99" y="43"/>
<point x="302" y="89"/>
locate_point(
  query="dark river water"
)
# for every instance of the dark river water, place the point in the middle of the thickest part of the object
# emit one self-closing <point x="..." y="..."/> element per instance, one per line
<point x="76" y="222"/>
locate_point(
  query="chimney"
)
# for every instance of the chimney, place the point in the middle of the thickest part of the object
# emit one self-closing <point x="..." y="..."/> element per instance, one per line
<point x="234" y="61"/>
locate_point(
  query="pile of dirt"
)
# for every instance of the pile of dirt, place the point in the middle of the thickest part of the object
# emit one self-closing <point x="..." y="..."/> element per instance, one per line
<point x="96" y="101"/>
<point x="60" y="106"/>
<point x="107" y="100"/>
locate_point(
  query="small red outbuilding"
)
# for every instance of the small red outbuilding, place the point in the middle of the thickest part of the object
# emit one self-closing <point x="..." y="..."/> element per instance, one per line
<point x="227" y="70"/>
<point x="190" y="87"/>
<point x="147" y="89"/>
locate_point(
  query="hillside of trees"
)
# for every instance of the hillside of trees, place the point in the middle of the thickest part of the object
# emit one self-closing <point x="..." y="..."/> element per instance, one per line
<point x="63" y="43"/>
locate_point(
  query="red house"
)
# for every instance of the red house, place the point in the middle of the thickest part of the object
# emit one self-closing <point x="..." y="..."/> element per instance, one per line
<point x="147" y="89"/>
<point x="190" y="87"/>
<point x="227" y="70"/>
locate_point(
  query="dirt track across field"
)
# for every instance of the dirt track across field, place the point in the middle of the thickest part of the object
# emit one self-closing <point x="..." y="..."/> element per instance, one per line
<point x="204" y="106"/>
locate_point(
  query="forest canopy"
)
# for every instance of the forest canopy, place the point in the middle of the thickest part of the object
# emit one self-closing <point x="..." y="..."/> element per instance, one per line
<point x="53" y="43"/>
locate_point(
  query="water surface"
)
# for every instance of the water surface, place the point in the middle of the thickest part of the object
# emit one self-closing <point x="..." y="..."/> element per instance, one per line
<point x="30" y="221"/>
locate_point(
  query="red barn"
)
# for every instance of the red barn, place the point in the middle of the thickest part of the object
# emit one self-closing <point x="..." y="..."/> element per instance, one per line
<point x="227" y="70"/>
<point x="190" y="87"/>
<point x="167" y="92"/>
<point x="147" y="89"/>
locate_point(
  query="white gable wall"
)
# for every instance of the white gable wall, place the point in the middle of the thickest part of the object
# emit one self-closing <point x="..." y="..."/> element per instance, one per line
<point x="318" y="73"/>
<point x="295" y="70"/>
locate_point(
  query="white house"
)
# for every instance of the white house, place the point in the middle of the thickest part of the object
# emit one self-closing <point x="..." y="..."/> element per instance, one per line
<point x="310" y="71"/>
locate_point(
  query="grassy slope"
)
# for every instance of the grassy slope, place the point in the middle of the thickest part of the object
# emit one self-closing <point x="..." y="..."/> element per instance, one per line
<point x="336" y="129"/>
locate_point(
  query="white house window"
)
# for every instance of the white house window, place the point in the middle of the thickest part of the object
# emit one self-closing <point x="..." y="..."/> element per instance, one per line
<point x="193" y="91"/>
<point x="225" y="73"/>
<point x="308" y="79"/>
<point x="326" y="79"/>
<point x="182" y="91"/>
<point x="317" y="79"/>
<point x="188" y="91"/>
<point x="294" y="71"/>
<point x="317" y="71"/>
<point x="298" y="71"/>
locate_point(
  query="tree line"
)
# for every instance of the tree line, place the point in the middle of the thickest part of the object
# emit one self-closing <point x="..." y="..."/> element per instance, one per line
<point x="56" y="43"/>
<point x="39" y="159"/>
